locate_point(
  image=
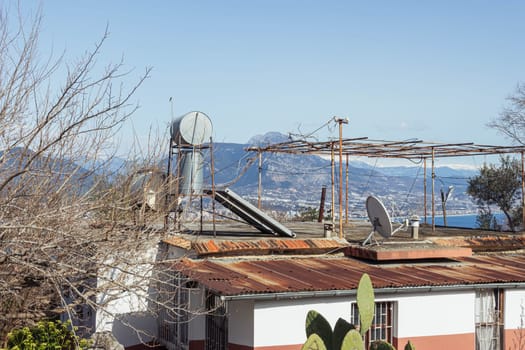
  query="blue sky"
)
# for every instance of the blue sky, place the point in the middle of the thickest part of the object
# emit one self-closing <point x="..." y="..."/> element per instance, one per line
<point x="433" y="70"/>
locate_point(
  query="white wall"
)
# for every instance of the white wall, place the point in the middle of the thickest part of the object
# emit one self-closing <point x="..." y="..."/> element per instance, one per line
<point x="241" y="322"/>
<point x="434" y="313"/>
<point x="125" y="299"/>
<point x="423" y="314"/>
<point x="197" y="317"/>
<point x="283" y="321"/>
<point x="514" y="308"/>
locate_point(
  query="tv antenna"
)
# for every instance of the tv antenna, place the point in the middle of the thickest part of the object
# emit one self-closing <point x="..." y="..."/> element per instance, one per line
<point x="380" y="220"/>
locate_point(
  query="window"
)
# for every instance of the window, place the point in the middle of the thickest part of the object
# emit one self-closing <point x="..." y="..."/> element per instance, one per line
<point x="216" y="323"/>
<point x="489" y="319"/>
<point x="382" y="325"/>
<point x="173" y="313"/>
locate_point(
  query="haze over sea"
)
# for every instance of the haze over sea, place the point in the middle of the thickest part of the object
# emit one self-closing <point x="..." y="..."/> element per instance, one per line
<point x="467" y="221"/>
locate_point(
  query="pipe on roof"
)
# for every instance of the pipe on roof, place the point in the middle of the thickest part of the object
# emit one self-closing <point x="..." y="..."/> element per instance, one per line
<point x="353" y="292"/>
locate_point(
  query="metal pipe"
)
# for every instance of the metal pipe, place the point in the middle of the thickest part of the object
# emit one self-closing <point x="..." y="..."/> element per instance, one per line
<point x="168" y="188"/>
<point x="259" y="188"/>
<point x="377" y="291"/>
<point x="212" y="171"/>
<point x="522" y="192"/>
<point x="332" y="165"/>
<point x="202" y="219"/>
<point x="340" y="121"/>
<point x="346" y="192"/>
<point x="433" y="193"/>
<point x="321" y="205"/>
<point x="425" y="189"/>
<point x="177" y="192"/>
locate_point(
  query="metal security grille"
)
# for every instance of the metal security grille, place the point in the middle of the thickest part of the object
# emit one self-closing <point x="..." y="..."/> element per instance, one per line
<point x="216" y="323"/>
<point x="489" y="319"/>
<point x="382" y="325"/>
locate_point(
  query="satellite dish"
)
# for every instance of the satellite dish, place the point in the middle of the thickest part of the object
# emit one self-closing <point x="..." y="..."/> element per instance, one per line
<point x="378" y="216"/>
<point x="379" y="219"/>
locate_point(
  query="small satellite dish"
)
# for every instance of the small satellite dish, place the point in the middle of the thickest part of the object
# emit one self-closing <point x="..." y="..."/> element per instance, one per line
<point x="379" y="219"/>
<point x="378" y="216"/>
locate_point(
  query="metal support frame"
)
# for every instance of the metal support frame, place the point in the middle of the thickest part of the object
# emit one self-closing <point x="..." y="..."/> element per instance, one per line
<point x="412" y="149"/>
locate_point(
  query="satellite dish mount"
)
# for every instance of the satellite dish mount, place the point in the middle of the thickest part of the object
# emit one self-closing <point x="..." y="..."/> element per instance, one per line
<point x="380" y="220"/>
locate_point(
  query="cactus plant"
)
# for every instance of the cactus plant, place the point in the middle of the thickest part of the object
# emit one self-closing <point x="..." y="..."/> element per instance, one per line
<point x="365" y="303"/>
<point x="314" y="342"/>
<point x="353" y="341"/>
<point x="317" y="324"/>
<point x="410" y="346"/>
<point x="381" y="345"/>
<point x="341" y="328"/>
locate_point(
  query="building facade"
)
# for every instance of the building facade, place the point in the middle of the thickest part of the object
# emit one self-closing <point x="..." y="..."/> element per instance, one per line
<point x="260" y="301"/>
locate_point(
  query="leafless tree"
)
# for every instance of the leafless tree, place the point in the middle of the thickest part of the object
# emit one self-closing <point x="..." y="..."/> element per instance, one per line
<point x="65" y="241"/>
<point x="511" y="121"/>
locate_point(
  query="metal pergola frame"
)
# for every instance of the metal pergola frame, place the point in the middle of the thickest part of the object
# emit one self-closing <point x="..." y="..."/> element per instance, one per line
<point x="413" y="149"/>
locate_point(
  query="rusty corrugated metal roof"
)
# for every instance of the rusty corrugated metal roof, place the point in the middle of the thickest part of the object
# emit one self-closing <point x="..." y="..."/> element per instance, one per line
<point x="231" y="277"/>
<point x="267" y="246"/>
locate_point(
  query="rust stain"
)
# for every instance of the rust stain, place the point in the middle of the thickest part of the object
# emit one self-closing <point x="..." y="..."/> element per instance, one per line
<point x="265" y="246"/>
<point x="178" y="242"/>
<point x="252" y="276"/>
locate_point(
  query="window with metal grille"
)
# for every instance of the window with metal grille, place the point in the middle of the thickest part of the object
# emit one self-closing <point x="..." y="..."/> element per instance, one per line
<point x="382" y="325"/>
<point x="489" y="319"/>
<point x="216" y="323"/>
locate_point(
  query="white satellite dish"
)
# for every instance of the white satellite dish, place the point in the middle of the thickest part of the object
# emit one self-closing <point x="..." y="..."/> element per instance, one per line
<point x="379" y="219"/>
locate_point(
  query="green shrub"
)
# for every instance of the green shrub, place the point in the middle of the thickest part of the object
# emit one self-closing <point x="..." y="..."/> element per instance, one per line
<point x="46" y="335"/>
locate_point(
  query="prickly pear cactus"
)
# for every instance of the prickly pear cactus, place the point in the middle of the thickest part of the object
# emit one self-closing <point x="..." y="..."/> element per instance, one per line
<point x="365" y="303"/>
<point x="341" y="328"/>
<point x="317" y="324"/>
<point x="410" y="346"/>
<point x="353" y="341"/>
<point x="314" y="342"/>
<point x="381" y="345"/>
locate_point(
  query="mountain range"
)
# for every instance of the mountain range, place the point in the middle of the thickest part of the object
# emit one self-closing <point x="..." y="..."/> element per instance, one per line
<point x="294" y="182"/>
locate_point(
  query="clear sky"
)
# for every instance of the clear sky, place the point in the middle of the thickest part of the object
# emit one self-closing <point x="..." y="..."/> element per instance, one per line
<point x="433" y="70"/>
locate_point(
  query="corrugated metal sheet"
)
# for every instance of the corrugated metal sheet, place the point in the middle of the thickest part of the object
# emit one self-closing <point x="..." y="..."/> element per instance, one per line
<point x="265" y="246"/>
<point x="231" y="277"/>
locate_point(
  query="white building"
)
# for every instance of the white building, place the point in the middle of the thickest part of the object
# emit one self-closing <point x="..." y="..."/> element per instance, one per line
<point x="241" y="294"/>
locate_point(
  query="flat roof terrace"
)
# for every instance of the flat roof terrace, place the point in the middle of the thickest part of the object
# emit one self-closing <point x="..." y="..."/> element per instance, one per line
<point x="234" y="238"/>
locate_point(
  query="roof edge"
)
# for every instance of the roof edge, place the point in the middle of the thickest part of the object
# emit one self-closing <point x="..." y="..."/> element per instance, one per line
<point x="353" y="292"/>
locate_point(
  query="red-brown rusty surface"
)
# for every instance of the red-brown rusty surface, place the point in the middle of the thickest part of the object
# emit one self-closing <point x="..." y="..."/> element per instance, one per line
<point x="265" y="246"/>
<point x="178" y="242"/>
<point x="253" y="276"/>
<point x="484" y="243"/>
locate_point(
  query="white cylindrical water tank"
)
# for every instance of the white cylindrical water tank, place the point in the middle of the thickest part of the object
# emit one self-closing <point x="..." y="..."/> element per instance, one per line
<point x="191" y="173"/>
<point x="193" y="128"/>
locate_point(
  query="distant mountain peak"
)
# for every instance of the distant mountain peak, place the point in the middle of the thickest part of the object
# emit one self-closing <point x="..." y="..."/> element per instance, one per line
<point x="268" y="138"/>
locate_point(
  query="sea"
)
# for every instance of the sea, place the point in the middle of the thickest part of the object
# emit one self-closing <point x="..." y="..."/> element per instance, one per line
<point x="466" y="221"/>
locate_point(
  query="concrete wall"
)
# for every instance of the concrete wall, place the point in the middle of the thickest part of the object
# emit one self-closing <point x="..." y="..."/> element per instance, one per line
<point x="514" y="319"/>
<point x="126" y="307"/>
<point x="435" y="320"/>
<point x="435" y="313"/>
<point x="424" y="318"/>
<point x="282" y="322"/>
<point x="197" y="317"/>
<point x="241" y="322"/>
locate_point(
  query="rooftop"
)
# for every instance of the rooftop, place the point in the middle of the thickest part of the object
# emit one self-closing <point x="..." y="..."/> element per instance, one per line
<point x="235" y="260"/>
